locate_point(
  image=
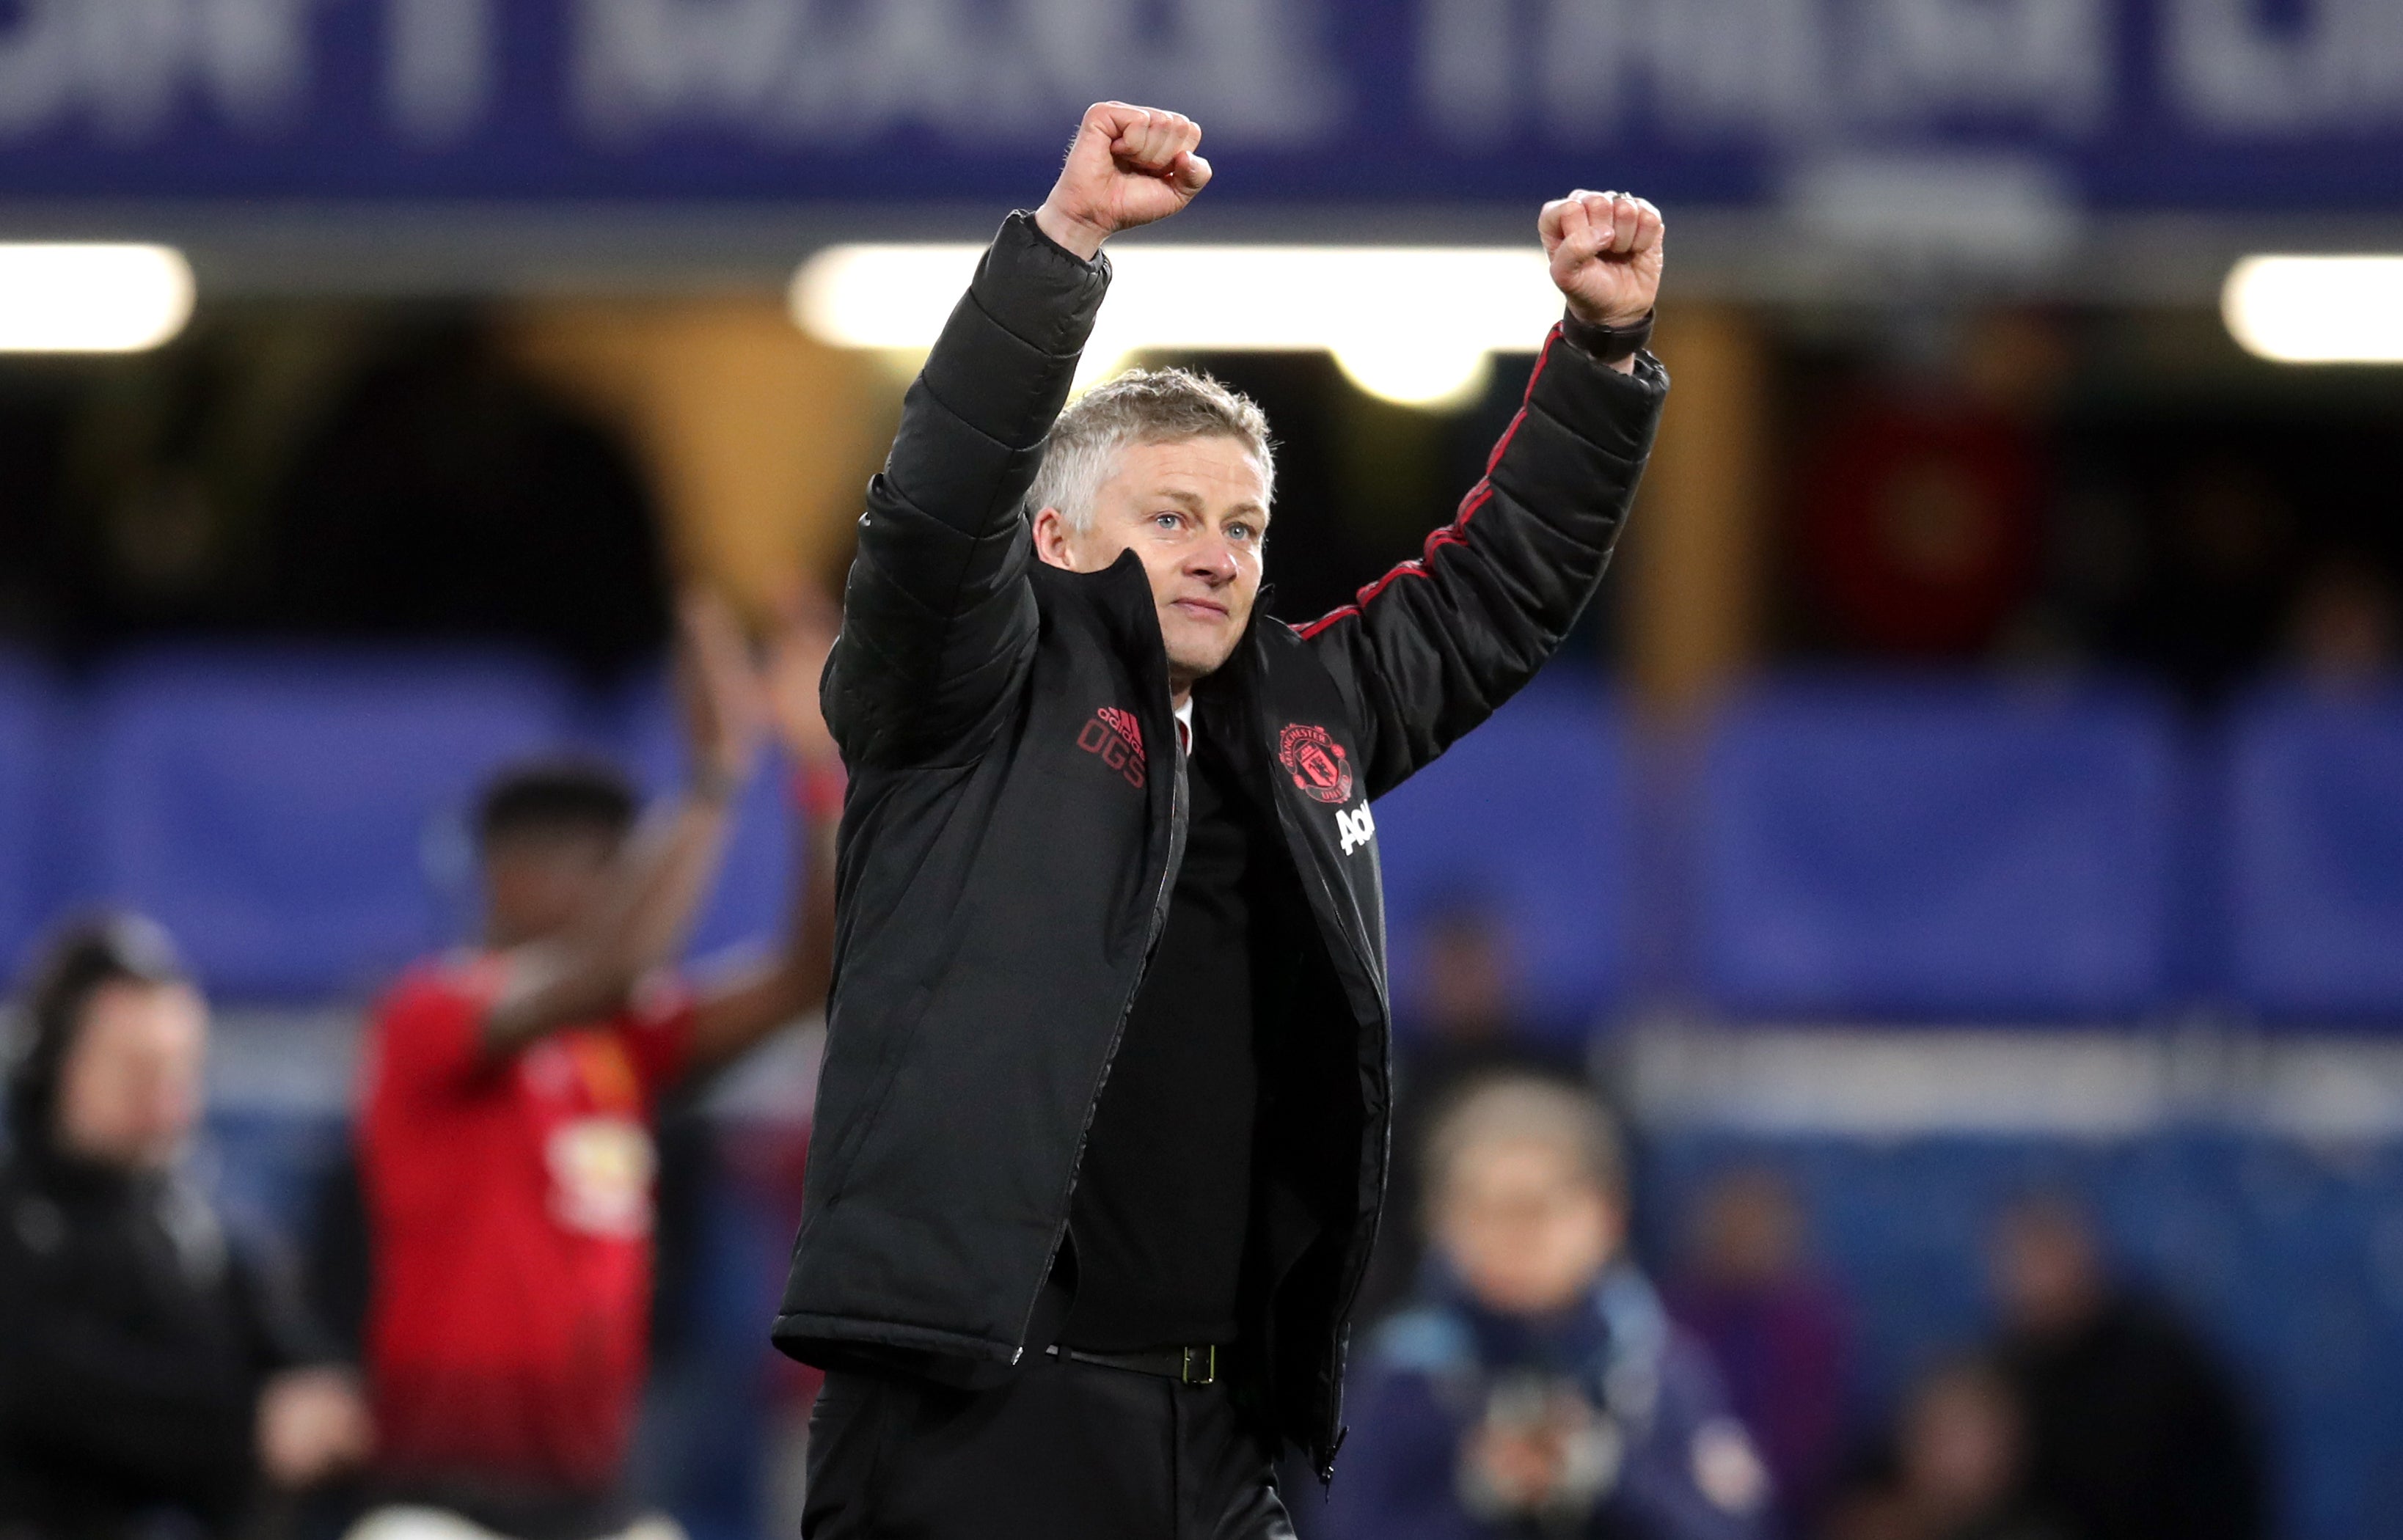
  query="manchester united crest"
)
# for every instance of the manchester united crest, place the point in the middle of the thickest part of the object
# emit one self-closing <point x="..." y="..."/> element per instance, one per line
<point x="1316" y="762"/>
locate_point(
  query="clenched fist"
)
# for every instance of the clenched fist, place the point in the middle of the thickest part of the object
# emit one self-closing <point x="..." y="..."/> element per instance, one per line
<point x="1605" y="253"/>
<point x="1128" y="166"/>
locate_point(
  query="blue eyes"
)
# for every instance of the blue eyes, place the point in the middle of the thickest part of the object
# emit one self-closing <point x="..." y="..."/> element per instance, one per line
<point x="1238" y="534"/>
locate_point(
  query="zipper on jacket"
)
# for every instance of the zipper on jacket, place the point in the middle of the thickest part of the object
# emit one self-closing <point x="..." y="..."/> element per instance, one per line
<point x="1355" y="1266"/>
<point x="1176" y="819"/>
<point x="1355" y="1261"/>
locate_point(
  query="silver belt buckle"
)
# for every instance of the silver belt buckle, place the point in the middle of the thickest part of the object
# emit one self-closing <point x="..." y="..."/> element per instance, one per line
<point x="1201" y="1365"/>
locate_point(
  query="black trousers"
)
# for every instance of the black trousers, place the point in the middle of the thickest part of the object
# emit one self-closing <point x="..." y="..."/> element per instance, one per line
<point x="1062" y="1450"/>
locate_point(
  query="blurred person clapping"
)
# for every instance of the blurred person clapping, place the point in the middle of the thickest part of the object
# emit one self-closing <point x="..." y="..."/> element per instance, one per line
<point x="506" y="1152"/>
<point x="151" y="1372"/>
<point x="1538" y="1388"/>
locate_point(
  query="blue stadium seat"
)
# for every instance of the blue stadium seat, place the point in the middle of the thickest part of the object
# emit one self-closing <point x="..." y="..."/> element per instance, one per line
<point x="297" y="819"/>
<point x="2314" y="855"/>
<point x="748" y="906"/>
<point x="1530" y="814"/>
<point x="1957" y="850"/>
<point x="27" y="734"/>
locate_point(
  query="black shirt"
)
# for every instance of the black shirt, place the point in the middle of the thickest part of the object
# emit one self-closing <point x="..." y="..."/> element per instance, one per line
<point x="1163" y="1198"/>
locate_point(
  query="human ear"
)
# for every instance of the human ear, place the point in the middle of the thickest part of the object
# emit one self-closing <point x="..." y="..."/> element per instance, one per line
<point x="1051" y="539"/>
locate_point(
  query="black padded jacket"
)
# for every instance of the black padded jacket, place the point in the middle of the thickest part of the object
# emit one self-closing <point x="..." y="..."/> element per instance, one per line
<point x="1015" y="817"/>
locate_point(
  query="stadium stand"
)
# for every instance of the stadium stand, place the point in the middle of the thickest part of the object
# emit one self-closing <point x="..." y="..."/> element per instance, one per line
<point x="298" y="822"/>
<point x="1962" y="854"/>
<point x="1947" y="851"/>
<point x="27" y="737"/>
<point x="2315" y="853"/>
<point x="1858" y="848"/>
<point x="1532" y="814"/>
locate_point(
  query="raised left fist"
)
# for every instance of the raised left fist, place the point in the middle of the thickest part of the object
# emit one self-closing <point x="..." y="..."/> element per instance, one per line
<point x="1606" y="249"/>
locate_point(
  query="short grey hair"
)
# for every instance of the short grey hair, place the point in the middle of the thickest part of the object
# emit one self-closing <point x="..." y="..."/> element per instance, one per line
<point x="1139" y="407"/>
<point x="1514" y="1106"/>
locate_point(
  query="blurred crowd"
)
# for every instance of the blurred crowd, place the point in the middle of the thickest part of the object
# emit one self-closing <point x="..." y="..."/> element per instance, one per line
<point x="1524" y="1372"/>
<point x="1533" y="1375"/>
<point x="1996" y="487"/>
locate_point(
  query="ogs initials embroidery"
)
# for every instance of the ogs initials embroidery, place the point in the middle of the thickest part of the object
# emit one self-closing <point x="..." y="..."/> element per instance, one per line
<point x="1117" y="737"/>
<point x="1357" y="828"/>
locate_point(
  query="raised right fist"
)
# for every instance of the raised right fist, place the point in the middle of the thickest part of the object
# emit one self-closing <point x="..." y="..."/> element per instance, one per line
<point x="1128" y="166"/>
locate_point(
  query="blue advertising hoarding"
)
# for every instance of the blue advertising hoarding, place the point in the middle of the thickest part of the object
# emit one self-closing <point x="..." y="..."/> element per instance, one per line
<point x="2126" y="103"/>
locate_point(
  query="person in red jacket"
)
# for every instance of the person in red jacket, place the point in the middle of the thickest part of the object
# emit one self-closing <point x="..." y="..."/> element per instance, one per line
<point x="505" y="1146"/>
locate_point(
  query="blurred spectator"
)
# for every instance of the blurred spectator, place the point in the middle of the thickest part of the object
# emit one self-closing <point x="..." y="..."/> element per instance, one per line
<point x="506" y="1145"/>
<point x="152" y="1373"/>
<point x="2210" y="613"/>
<point x="1538" y="1388"/>
<point x="1777" y="1331"/>
<point x="1957" y="1468"/>
<point x="1465" y="1026"/>
<point x="1468" y="1018"/>
<point x="2133" y="1429"/>
<point x="2342" y="630"/>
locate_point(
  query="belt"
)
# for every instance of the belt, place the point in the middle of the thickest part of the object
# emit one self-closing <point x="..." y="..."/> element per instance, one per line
<point x="1197" y="1365"/>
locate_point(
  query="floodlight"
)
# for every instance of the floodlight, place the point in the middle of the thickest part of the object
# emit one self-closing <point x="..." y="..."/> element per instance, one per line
<point x="91" y="298"/>
<point x="1409" y="323"/>
<point x="2317" y="309"/>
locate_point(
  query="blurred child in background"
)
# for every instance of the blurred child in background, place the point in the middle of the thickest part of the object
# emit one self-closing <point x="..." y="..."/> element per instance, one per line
<point x="1538" y="1388"/>
<point x="154" y="1378"/>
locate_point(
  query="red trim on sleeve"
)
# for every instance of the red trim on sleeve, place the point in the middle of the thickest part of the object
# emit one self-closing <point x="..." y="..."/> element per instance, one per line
<point x="1457" y="530"/>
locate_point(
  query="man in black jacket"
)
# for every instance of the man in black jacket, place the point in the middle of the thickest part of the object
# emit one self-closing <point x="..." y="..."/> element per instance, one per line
<point x="1101" y="1136"/>
<point x="2135" y="1428"/>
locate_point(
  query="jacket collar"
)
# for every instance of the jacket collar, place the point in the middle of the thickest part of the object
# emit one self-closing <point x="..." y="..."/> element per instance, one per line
<point x="1125" y="588"/>
<point x="1122" y="592"/>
